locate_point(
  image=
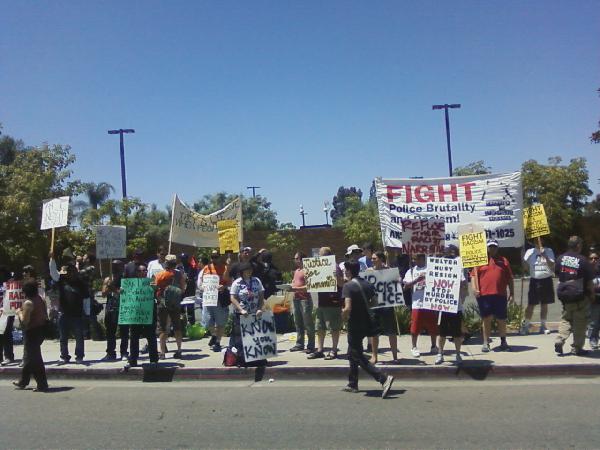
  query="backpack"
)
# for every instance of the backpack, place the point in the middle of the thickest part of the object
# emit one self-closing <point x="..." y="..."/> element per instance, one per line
<point x="230" y="358"/>
<point x="570" y="291"/>
<point x="172" y="295"/>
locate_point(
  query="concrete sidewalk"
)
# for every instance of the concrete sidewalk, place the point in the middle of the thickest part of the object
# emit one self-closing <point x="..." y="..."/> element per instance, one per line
<point x="531" y="355"/>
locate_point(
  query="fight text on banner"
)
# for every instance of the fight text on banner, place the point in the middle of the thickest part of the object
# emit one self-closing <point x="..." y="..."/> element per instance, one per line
<point x="492" y="200"/>
<point x="259" y="337"/>
<point x="13" y="297"/>
<point x="423" y="236"/>
<point x="210" y="290"/>
<point x="473" y="249"/>
<point x="136" y="306"/>
<point x="228" y="236"/>
<point x="387" y="285"/>
<point x="535" y="221"/>
<point x="110" y="241"/>
<point x="320" y="273"/>
<point x="442" y="285"/>
<point x="55" y="213"/>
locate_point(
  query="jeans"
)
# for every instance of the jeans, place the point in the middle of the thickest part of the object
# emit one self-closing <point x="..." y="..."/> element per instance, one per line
<point x="303" y="319"/>
<point x="148" y="332"/>
<point x="594" y="326"/>
<point x="6" y="340"/>
<point x="574" y="319"/>
<point x="111" y="320"/>
<point x="66" y="324"/>
<point x="356" y="357"/>
<point x="33" y="363"/>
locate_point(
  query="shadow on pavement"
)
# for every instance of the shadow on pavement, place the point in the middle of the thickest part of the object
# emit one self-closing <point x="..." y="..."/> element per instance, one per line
<point x="377" y="393"/>
<point x="410" y="362"/>
<point x="52" y="390"/>
<point x="516" y="348"/>
<point x="477" y="370"/>
<point x="193" y="357"/>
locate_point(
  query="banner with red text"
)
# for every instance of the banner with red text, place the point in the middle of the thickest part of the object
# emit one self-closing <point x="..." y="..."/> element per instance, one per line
<point x="494" y="201"/>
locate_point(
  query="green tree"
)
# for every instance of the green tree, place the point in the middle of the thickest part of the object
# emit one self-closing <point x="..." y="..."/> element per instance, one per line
<point x="595" y="137"/>
<point x="341" y="200"/>
<point x="360" y="222"/>
<point x="474" y="168"/>
<point x="284" y="241"/>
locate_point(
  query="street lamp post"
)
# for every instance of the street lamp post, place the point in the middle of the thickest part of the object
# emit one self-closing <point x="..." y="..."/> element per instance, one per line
<point x="254" y="188"/>
<point x="326" y="211"/>
<point x="445" y="107"/>
<point x="120" y="132"/>
<point x="302" y="213"/>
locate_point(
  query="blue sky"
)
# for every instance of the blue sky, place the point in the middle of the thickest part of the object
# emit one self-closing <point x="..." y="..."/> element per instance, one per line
<point x="299" y="97"/>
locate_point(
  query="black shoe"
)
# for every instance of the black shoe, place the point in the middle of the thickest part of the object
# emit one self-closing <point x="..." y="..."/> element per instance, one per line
<point x="504" y="347"/>
<point x="216" y="348"/>
<point x="130" y="364"/>
<point x="177" y="354"/>
<point x="79" y="360"/>
<point x="259" y="373"/>
<point x="350" y="389"/>
<point x="7" y="362"/>
<point x="558" y="348"/>
<point x="109" y="358"/>
<point x="41" y="389"/>
<point x="316" y="355"/>
<point x="387" y="385"/>
<point x="297" y="348"/>
<point x="212" y="341"/>
<point x="62" y="361"/>
<point x="18" y="385"/>
<point x="581" y="352"/>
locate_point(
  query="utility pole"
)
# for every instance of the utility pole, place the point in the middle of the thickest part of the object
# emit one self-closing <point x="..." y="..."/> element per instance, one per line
<point x="254" y="188"/>
<point x="302" y="213"/>
<point x="326" y="211"/>
<point x="120" y="132"/>
<point x="445" y="107"/>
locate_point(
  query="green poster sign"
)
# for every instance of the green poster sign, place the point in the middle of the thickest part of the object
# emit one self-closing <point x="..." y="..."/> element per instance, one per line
<point x="137" y="302"/>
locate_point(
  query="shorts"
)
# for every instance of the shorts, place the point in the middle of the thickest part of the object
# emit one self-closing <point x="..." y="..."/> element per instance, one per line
<point x="451" y="325"/>
<point x="215" y="316"/>
<point x="540" y="291"/>
<point x="328" y="318"/>
<point x="423" y="319"/>
<point x="493" y="305"/>
<point x="385" y="321"/>
<point x="164" y="314"/>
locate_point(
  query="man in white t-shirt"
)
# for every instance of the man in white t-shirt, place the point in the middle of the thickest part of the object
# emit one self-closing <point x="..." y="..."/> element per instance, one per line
<point x="539" y="262"/>
<point x="157" y="265"/>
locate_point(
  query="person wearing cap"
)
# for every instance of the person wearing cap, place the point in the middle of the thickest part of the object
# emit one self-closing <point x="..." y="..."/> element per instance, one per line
<point x="157" y="265"/>
<point x="490" y="283"/>
<point x="267" y="272"/>
<point x="215" y="318"/>
<point x="303" y="308"/>
<point x="353" y="253"/>
<point x="244" y="257"/>
<point x="111" y="290"/>
<point x="71" y="292"/>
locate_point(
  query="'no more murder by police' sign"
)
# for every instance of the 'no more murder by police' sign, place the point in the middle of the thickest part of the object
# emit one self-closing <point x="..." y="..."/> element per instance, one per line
<point x="442" y="284"/>
<point x="319" y="272"/>
<point x="259" y="338"/>
<point x="387" y="285"/>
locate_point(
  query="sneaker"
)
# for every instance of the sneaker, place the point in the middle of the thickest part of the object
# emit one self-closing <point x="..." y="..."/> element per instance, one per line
<point x="130" y="364"/>
<point x="62" y="361"/>
<point x="415" y="352"/>
<point x="144" y="349"/>
<point x="434" y="350"/>
<point x="79" y="360"/>
<point x="504" y="347"/>
<point x="558" y="348"/>
<point x="18" y="385"/>
<point x="297" y="348"/>
<point x="439" y="359"/>
<point x="485" y="348"/>
<point x="109" y="358"/>
<point x="387" y="385"/>
<point x="6" y="363"/>
<point x="177" y="354"/>
<point x="459" y="359"/>
<point x="524" y="331"/>
<point x="350" y="389"/>
<point x="544" y="330"/>
<point x="124" y="356"/>
<point x="594" y="344"/>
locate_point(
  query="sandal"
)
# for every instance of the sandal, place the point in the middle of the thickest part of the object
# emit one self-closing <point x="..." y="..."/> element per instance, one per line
<point x="331" y="355"/>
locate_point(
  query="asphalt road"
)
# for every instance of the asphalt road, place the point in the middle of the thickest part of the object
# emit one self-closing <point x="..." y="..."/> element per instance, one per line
<point x="559" y="413"/>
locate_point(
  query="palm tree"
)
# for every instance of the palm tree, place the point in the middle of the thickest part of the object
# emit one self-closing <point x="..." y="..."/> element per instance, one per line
<point x="97" y="194"/>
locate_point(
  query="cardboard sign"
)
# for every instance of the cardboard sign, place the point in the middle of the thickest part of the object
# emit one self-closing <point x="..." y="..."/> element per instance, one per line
<point x="535" y="221"/>
<point x="442" y="284"/>
<point x="228" y="236"/>
<point x="136" y="305"/>
<point x="423" y="236"/>
<point x="259" y="337"/>
<point x="55" y="213"/>
<point x="319" y="272"/>
<point x="473" y="249"/>
<point x="387" y="285"/>
<point x="210" y="290"/>
<point x="13" y="297"/>
<point x="110" y="241"/>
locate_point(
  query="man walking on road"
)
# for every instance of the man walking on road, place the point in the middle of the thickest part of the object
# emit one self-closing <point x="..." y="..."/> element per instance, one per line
<point x="539" y="261"/>
<point x="575" y="290"/>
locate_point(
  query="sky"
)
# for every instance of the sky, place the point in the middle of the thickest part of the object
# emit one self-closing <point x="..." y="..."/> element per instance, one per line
<point x="299" y="97"/>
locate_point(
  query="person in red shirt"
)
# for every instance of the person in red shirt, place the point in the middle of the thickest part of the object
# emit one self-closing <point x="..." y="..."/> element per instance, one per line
<point x="489" y="284"/>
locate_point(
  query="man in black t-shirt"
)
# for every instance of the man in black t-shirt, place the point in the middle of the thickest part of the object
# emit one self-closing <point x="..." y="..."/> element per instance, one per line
<point x="356" y="293"/>
<point x="575" y="290"/>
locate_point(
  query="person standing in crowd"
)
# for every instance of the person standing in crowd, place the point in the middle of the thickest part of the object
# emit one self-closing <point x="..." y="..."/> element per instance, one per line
<point x="366" y="259"/>
<point x="420" y="318"/>
<point x="269" y="275"/>
<point x="7" y="354"/>
<point x="539" y="261"/>
<point x="157" y="265"/>
<point x="188" y="266"/>
<point x="451" y="324"/>
<point x="244" y="257"/>
<point x="215" y="317"/>
<point x="575" y="290"/>
<point x="131" y="268"/>
<point x="111" y="290"/>
<point x="33" y="316"/>
<point x="594" y="327"/>
<point x="303" y="307"/>
<point x="329" y="316"/>
<point x="71" y="292"/>
<point x="87" y="274"/>
<point x="490" y="283"/>
<point x="147" y="331"/>
<point x="355" y="292"/>
<point x="170" y="285"/>
<point x="384" y="318"/>
<point x="354" y="253"/>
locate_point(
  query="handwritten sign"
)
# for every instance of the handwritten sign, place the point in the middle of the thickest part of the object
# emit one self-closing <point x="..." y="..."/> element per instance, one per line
<point x="110" y="241"/>
<point x="535" y="221"/>
<point x="210" y="290"/>
<point x="228" y="236"/>
<point x="13" y="297"/>
<point x="442" y="285"/>
<point x="387" y="285"/>
<point x="320" y="274"/>
<point x="473" y="249"/>
<point x="136" y="305"/>
<point x="55" y="213"/>
<point x="423" y="236"/>
<point x="259" y="337"/>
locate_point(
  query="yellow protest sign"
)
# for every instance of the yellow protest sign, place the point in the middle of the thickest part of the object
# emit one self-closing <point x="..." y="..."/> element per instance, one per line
<point x="535" y="221"/>
<point x="473" y="249"/>
<point x="228" y="236"/>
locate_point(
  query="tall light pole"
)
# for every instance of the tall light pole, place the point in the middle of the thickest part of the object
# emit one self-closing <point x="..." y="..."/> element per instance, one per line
<point x="445" y="107"/>
<point x="120" y="132"/>
<point x="254" y="188"/>
<point x="326" y="211"/>
<point x="302" y="213"/>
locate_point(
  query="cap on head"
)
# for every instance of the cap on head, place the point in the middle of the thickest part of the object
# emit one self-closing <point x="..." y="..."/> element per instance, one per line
<point x="247" y="249"/>
<point x="353" y="248"/>
<point x="492" y="243"/>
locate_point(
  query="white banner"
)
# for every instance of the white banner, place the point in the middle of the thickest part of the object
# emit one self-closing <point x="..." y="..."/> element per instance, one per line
<point x="493" y="201"/>
<point x="259" y="338"/>
<point x="110" y="241"/>
<point x="319" y="272"/>
<point x="55" y="213"/>
<point x="199" y="230"/>
<point x="387" y="285"/>
<point x="210" y="290"/>
<point x="442" y="284"/>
